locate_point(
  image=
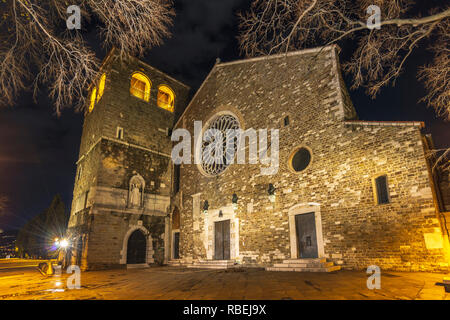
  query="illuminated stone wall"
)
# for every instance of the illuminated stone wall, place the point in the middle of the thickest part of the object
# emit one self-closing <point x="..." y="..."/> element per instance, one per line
<point x="102" y="216"/>
<point x="346" y="157"/>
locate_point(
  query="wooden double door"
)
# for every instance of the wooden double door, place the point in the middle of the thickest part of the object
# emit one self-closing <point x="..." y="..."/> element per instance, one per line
<point x="222" y="240"/>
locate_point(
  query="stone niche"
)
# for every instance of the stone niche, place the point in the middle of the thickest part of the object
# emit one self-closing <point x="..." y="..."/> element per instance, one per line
<point x="136" y="191"/>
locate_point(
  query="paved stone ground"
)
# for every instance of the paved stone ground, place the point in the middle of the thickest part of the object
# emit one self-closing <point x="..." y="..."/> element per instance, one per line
<point x="182" y="283"/>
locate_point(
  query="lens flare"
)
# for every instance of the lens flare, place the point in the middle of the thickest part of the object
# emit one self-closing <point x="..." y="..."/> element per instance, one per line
<point x="64" y="243"/>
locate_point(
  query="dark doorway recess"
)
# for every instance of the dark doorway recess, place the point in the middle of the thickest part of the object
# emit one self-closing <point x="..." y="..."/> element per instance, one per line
<point x="176" y="245"/>
<point x="222" y="240"/>
<point x="136" y="248"/>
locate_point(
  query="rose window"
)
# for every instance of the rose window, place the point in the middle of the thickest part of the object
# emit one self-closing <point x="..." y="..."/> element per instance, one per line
<point x="217" y="154"/>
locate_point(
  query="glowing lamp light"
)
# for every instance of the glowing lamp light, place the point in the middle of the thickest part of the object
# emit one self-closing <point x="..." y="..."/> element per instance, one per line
<point x="64" y="243"/>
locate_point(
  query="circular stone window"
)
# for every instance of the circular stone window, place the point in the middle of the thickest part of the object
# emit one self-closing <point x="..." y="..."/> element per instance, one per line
<point x="215" y="139"/>
<point x="300" y="159"/>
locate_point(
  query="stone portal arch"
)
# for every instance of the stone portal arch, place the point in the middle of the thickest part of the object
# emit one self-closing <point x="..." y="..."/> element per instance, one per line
<point x="148" y="244"/>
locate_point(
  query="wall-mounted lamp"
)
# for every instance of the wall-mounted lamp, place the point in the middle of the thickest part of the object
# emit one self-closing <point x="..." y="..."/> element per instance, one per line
<point x="205" y="207"/>
<point x="271" y="192"/>
<point x="234" y="201"/>
<point x="220" y="214"/>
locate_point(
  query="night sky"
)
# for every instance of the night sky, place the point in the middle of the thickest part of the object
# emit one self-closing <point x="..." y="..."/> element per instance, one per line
<point x="38" y="150"/>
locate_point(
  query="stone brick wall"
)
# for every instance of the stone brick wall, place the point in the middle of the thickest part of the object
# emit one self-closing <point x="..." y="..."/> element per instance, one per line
<point x="346" y="157"/>
<point x="88" y="178"/>
<point x="120" y="162"/>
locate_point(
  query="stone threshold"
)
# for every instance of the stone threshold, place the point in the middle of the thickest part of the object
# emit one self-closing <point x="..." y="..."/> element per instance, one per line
<point x="214" y="264"/>
<point x="138" y="266"/>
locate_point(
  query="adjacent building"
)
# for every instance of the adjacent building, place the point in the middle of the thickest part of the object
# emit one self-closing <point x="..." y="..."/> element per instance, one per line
<point x="8" y="244"/>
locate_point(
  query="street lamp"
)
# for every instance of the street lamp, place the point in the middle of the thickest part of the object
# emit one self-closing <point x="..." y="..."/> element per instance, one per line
<point x="205" y="207"/>
<point x="234" y="201"/>
<point x="64" y="243"/>
<point x="271" y="192"/>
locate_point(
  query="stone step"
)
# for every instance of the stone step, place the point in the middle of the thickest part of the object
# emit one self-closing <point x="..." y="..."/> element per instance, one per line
<point x="304" y="265"/>
<point x="216" y="261"/>
<point x="174" y="263"/>
<point x="314" y="260"/>
<point x="321" y="269"/>
<point x="213" y="264"/>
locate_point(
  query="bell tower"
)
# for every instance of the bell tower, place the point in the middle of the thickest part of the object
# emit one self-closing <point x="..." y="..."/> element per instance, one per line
<point x="124" y="173"/>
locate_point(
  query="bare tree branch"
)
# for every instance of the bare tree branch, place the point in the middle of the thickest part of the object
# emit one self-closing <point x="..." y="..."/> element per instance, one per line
<point x="436" y="75"/>
<point x="440" y="159"/>
<point x="36" y="48"/>
<point x="275" y="26"/>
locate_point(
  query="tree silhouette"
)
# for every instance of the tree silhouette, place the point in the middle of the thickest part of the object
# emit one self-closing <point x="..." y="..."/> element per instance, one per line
<point x="36" y="238"/>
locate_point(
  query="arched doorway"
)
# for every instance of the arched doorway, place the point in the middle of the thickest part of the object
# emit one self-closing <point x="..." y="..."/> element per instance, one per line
<point x="136" y="248"/>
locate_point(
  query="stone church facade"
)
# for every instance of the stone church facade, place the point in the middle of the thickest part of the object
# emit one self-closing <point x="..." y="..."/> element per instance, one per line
<point x="345" y="194"/>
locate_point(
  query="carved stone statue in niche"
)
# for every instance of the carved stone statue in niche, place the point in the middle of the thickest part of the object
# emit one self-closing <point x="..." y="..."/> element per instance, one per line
<point x="136" y="191"/>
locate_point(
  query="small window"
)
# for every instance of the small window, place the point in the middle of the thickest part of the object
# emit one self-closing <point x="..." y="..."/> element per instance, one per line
<point x="101" y="87"/>
<point x="92" y="100"/>
<point x="119" y="133"/>
<point x="286" y="121"/>
<point x="166" y="98"/>
<point x="80" y="169"/>
<point x="300" y="159"/>
<point x="176" y="178"/>
<point x="140" y="86"/>
<point x="382" y="189"/>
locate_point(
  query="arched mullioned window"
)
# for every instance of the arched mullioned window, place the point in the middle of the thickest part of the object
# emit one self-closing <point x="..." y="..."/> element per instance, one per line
<point x="140" y="86"/>
<point x="101" y="87"/>
<point x="92" y="100"/>
<point x="166" y="98"/>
